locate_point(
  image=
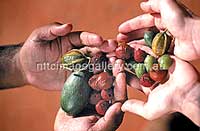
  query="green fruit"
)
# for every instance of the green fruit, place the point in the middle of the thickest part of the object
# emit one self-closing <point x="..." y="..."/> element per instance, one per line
<point x="139" y="70"/>
<point x="148" y="62"/>
<point x="148" y="37"/>
<point x="75" y="93"/>
<point x="165" y="62"/>
<point x="74" y="60"/>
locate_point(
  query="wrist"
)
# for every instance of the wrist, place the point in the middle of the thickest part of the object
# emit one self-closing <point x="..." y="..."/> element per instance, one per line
<point x="190" y="105"/>
<point x="11" y="72"/>
<point x="23" y="80"/>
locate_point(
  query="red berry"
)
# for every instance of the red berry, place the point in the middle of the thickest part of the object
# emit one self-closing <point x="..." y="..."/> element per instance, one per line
<point x="146" y="81"/>
<point x="107" y="94"/>
<point x="123" y="52"/>
<point x="158" y="75"/>
<point x="95" y="97"/>
<point x="101" y="81"/>
<point x="102" y="106"/>
<point x="139" y="55"/>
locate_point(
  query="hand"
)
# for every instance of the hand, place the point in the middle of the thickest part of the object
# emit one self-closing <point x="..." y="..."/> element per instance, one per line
<point x="90" y="121"/>
<point x="41" y="53"/>
<point x="180" y="93"/>
<point x="170" y="14"/>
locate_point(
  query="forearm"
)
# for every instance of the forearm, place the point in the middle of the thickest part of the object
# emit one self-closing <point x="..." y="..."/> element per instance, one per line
<point x="11" y="75"/>
<point x="191" y="105"/>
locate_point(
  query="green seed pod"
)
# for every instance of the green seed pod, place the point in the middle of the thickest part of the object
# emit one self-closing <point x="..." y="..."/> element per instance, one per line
<point x="75" y="94"/>
<point x="160" y="43"/>
<point x="148" y="62"/>
<point x="139" y="70"/>
<point x="74" y="59"/>
<point x="165" y="62"/>
<point x="148" y="37"/>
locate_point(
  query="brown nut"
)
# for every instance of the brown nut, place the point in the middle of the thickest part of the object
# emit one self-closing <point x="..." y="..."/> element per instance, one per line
<point x="101" y="81"/>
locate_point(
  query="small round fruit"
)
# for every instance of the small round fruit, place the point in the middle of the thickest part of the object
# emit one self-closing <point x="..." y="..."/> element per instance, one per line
<point x="139" y="55"/>
<point x="158" y="75"/>
<point x="101" y="107"/>
<point x="107" y="94"/>
<point x="165" y="62"/>
<point x="146" y="81"/>
<point x="101" y="81"/>
<point x="139" y="69"/>
<point x="148" y="62"/>
<point x="95" y="97"/>
<point x="123" y="51"/>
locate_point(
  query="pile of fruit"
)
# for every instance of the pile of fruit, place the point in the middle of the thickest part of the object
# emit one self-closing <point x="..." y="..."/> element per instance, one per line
<point x="84" y="88"/>
<point x="150" y="65"/>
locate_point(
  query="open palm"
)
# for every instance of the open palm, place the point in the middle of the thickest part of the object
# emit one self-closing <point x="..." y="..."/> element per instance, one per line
<point x="88" y="120"/>
<point x="41" y="53"/>
<point x="167" y="97"/>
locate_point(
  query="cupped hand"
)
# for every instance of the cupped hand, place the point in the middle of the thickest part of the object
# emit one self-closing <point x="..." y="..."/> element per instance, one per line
<point x="40" y="55"/>
<point x="90" y="121"/>
<point x="171" y="96"/>
<point x="170" y="14"/>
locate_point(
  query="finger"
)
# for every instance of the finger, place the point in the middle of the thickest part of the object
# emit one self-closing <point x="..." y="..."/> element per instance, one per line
<point x="61" y="117"/>
<point x="118" y="67"/>
<point x="108" y="46"/>
<point x="137" y="107"/>
<point x="79" y="39"/>
<point x="133" y="35"/>
<point x="91" y="51"/>
<point x="50" y="32"/>
<point x="111" y="54"/>
<point x="150" y="6"/>
<point x="171" y="10"/>
<point x="120" y="90"/>
<point x="111" y="120"/>
<point x="139" y="22"/>
<point x="112" y="60"/>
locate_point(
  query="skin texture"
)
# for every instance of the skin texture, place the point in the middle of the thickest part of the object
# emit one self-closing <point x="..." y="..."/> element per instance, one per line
<point x="177" y="94"/>
<point x="91" y="122"/>
<point x="46" y="45"/>
<point x="174" y="16"/>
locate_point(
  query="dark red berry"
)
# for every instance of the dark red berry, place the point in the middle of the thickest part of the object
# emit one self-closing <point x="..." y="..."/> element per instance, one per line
<point x="158" y="75"/>
<point x="95" y="97"/>
<point x="123" y="51"/>
<point x="107" y="94"/>
<point x="101" y="107"/>
<point x="146" y="81"/>
<point x="139" y="55"/>
<point x="101" y="81"/>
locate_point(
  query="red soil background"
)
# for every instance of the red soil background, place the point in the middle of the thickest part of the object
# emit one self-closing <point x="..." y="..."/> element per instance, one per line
<point x="31" y="109"/>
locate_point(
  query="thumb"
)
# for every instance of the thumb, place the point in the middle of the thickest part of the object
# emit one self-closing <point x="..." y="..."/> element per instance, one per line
<point x="51" y="31"/>
<point x="172" y="15"/>
<point x="134" y="106"/>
